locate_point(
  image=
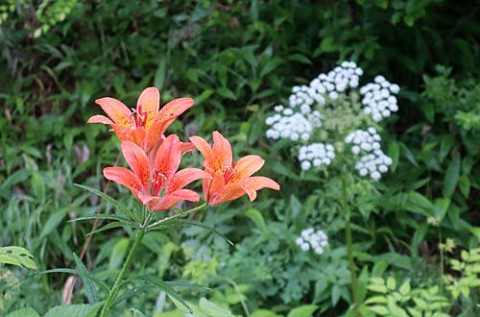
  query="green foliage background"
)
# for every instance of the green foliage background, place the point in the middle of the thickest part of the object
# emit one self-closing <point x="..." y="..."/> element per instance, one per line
<point x="237" y="59"/>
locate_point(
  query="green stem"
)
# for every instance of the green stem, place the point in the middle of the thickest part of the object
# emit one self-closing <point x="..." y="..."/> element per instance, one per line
<point x="179" y="215"/>
<point x="351" y="258"/>
<point x="441" y="249"/>
<point x="352" y="267"/>
<point x="119" y="280"/>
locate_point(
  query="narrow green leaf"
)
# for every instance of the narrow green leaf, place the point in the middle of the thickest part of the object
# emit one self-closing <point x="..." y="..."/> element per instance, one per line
<point x="90" y="287"/>
<point x="115" y="203"/>
<point x="107" y="217"/>
<point x="108" y="226"/>
<point x="164" y="287"/>
<point x="184" y="222"/>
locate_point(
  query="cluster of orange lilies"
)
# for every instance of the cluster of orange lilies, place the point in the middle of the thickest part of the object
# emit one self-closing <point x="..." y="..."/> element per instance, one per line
<point x="154" y="159"/>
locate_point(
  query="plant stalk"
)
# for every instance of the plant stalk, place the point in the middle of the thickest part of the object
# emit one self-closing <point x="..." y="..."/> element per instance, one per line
<point x="118" y="281"/>
<point x="352" y="267"/>
<point x="351" y="259"/>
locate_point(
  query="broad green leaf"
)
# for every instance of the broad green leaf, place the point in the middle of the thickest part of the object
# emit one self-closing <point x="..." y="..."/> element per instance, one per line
<point x="414" y="312"/>
<point x="17" y="256"/>
<point x="24" y="312"/>
<point x="303" y="311"/>
<point x="464" y="185"/>
<point x="38" y="187"/>
<point x="377" y="288"/>
<point x="53" y="221"/>
<point x="396" y="310"/>
<point x="419" y="204"/>
<point x="394" y="153"/>
<point x="118" y="254"/>
<point x="391" y="283"/>
<point x="263" y="313"/>
<point x="257" y="218"/>
<point x="441" y="207"/>
<point x="405" y="288"/>
<point x="213" y="310"/>
<point x="300" y="58"/>
<point x="270" y="65"/>
<point x="226" y="93"/>
<point x="336" y="292"/>
<point x="377" y="300"/>
<point x="296" y="206"/>
<point x="451" y="177"/>
<point x="83" y="310"/>
<point x="173" y="313"/>
<point x="380" y="310"/>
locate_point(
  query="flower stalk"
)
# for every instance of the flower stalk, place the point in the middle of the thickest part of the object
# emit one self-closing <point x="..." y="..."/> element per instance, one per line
<point x="349" y="242"/>
<point x="119" y="280"/>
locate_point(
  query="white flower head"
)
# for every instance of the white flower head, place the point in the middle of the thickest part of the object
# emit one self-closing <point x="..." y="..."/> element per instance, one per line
<point x="310" y="239"/>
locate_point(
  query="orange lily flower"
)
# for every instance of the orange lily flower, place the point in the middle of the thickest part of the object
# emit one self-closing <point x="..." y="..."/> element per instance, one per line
<point x="154" y="180"/>
<point x="229" y="180"/>
<point x="144" y="125"/>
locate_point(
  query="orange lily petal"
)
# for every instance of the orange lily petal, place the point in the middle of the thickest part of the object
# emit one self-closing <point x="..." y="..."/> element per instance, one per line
<point x="223" y="152"/>
<point x="123" y="177"/>
<point x="252" y="184"/>
<point x="173" y="109"/>
<point x="155" y="203"/>
<point x="227" y="193"/>
<point x="116" y="110"/>
<point x="168" y="156"/>
<point x="246" y="166"/>
<point x="148" y="103"/>
<point x="99" y="119"/>
<point x="138" y="161"/>
<point x="185" y="177"/>
<point x="215" y="187"/>
<point x="205" y="149"/>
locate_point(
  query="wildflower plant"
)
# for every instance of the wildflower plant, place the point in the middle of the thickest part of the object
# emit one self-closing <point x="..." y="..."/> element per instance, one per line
<point x="334" y="124"/>
<point x="334" y="116"/>
<point x="154" y="178"/>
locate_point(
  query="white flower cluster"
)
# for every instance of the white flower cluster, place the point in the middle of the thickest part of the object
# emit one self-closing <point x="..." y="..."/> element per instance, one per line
<point x="315" y="155"/>
<point x="328" y="85"/>
<point x="378" y="100"/>
<point x="301" y="118"/>
<point x="312" y="240"/>
<point x="287" y="124"/>
<point x="374" y="161"/>
<point x="298" y="121"/>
